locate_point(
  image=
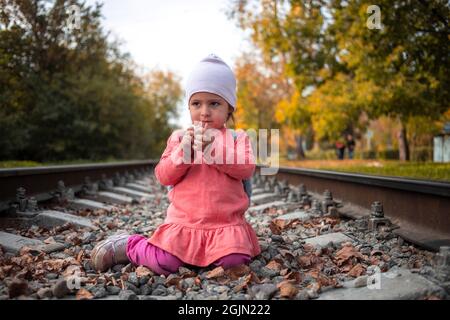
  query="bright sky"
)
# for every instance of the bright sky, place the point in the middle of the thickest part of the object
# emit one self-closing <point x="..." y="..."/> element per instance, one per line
<point x="174" y="34"/>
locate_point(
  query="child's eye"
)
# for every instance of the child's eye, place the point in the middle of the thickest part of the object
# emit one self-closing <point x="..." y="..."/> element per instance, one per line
<point x="195" y="104"/>
<point x="215" y="104"/>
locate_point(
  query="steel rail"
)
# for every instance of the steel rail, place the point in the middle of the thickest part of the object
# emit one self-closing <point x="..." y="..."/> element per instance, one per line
<point x="420" y="208"/>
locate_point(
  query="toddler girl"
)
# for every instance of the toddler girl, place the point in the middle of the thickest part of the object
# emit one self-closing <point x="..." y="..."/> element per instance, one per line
<point x="205" y="221"/>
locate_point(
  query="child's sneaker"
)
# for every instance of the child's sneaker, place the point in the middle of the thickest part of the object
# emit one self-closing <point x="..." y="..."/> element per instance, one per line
<point x="110" y="252"/>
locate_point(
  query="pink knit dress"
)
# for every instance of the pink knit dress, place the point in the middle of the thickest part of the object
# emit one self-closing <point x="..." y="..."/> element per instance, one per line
<point x="205" y="219"/>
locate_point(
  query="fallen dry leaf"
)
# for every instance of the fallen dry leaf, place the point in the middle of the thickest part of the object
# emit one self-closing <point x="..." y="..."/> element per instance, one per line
<point x="250" y="278"/>
<point x="274" y="228"/>
<point x="357" y="271"/>
<point x="274" y="265"/>
<point x="215" y="273"/>
<point x="287" y="289"/>
<point x="347" y="253"/>
<point x="286" y="253"/>
<point x="142" y="271"/>
<point x="294" y="275"/>
<point x="186" y="273"/>
<point x="237" y="271"/>
<point x="304" y="261"/>
<point x="84" y="294"/>
<point x="72" y="270"/>
<point x="223" y="280"/>
<point x="283" y="223"/>
<point x="173" y="281"/>
<point x="243" y="284"/>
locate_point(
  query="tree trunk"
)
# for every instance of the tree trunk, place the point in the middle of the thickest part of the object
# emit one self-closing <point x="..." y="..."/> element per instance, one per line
<point x="403" y="147"/>
<point x="299" y="149"/>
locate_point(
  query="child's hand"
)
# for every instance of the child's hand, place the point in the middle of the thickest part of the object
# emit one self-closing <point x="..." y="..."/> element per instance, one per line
<point x="202" y="138"/>
<point x="188" y="138"/>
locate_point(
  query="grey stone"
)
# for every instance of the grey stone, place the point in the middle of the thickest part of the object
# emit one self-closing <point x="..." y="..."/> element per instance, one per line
<point x="13" y="243"/>
<point x="114" y="197"/>
<point x="132" y="287"/>
<point x="144" y="280"/>
<point x="51" y="276"/>
<point x="113" y="290"/>
<point x="302" y="295"/>
<point x="264" y="291"/>
<point x="265" y="206"/>
<point x="300" y="215"/>
<point x="264" y="198"/>
<point x="323" y="240"/>
<point x="133" y="279"/>
<point x="60" y="289"/>
<point x="118" y="268"/>
<point x="146" y="289"/>
<point x="153" y="297"/>
<point x="268" y="273"/>
<point x="159" y="280"/>
<point x="52" y="218"/>
<point x="277" y="238"/>
<point x="188" y="283"/>
<point x="255" y="265"/>
<point x="134" y="194"/>
<point x="99" y="292"/>
<point x="401" y="285"/>
<point x="87" y="237"/>
<point x="89" y="204"/>
<point x="45" y="293"/>
<point x="160" y="291"/>
<point x="127" y="295"/>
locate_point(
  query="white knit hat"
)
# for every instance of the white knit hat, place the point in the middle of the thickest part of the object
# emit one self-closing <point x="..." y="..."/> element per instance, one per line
<point x="212" y="75"/>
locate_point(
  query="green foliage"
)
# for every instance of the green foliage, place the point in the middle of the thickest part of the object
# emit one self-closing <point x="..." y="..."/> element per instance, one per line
<point x="420" y="170"/>
<point x="344" y="71"/>
<point x="70" y="94"/>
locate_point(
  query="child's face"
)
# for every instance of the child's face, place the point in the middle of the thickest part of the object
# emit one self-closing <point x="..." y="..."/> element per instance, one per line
<point x="210" y="109"/>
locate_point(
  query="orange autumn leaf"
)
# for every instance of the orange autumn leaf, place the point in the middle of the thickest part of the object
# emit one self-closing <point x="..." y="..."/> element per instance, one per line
<point x="294" y="275"/>
<point x="283" y="223"/>
<point x="287" y="289"/>
<point x="84" y="294"/>
<point x="215" y="273"/>
<point x="304" y="261"/>
<point x="274" y="265"/>
<point x="243" y="284"/>
<point x="238" y="271"/>
<point x="347" y="253"/>
<point x="274" y="228"/>
<point x="142" y="271"/>
<point x="357" y="271"/>
<point x="173" y="281"/>
<point x="286" y="253"/>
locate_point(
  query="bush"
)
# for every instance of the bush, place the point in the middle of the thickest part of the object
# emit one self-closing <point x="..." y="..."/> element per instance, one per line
<point x="422" y="154"/>
<point x="321" y="154"/>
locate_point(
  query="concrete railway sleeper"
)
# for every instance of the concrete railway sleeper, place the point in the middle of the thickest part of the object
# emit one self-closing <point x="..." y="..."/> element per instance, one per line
<point x="313" y="247"/>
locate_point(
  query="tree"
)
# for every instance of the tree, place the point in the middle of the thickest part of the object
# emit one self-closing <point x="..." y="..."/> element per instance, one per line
<point x="66" y="92"/>
<point x="329" y="52"/>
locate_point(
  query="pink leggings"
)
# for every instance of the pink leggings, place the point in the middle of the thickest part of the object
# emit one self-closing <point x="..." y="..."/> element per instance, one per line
<point x="141" y="252"/>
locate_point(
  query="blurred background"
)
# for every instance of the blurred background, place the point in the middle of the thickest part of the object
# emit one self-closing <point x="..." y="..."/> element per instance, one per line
<point x="352" y="85"/>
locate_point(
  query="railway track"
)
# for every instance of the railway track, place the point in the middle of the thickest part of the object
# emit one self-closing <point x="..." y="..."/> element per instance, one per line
<point x="323" y="236"/>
